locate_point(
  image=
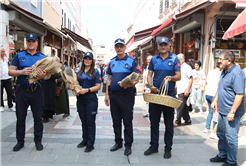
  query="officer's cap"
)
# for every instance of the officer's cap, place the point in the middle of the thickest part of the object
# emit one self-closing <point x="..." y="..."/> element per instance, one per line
<point x="32" y="36"/>
<point x="88" y="54"/>
<point x="163" y="40"/>
<point x="119" y="41"/>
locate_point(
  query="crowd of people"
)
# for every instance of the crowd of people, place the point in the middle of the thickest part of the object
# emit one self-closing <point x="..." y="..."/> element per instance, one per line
<point x="224" y="89"/>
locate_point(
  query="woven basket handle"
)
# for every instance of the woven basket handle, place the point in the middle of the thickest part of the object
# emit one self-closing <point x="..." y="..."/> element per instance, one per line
<point x="164" y="88"/>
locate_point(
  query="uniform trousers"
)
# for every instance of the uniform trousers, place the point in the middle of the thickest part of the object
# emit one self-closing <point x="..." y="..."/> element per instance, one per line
<point x="155" y="111"/>
<point x="35" y="98"/>
<point x="121" y="107"/>
<point x="87" y="106"/>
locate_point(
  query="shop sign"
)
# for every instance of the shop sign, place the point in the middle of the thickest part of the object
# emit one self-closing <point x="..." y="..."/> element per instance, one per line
<point x="236" y="52"/>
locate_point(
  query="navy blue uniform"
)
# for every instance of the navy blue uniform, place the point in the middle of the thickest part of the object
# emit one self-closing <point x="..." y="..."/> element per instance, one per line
<point x="87" y="106"/>
<point x="28" y="94"/>
<point x="161" y="69"/>
<point x="122" y="100"/>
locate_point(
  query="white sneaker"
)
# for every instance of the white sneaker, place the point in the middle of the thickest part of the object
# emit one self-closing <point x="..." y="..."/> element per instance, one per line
<point x="205" y="113"/>
<point x="193" y="111"/>
<point x="1" y="109"/>
<point x="29" y="108"/>
<point x="213" y="136"/>
<point x="205" y="130"/>
<point x="201" y="111"/>
<point x="12" y="109"/>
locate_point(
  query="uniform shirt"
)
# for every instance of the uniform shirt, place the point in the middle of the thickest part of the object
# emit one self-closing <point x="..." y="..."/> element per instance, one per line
<point x="22" y="60"/>
<point x="212" y="82"/>
<point x="231" y="82"/>
<point x="163" y="68"/>
<point x="119" y="69"/>
<point x="88" y="82"/>
<point x="5" y="69"/>
<point x="186" y="73"/>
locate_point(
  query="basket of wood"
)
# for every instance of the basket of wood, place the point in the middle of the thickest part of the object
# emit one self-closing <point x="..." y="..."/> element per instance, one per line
<point x="70" y="77"/>
<point x="49" y="64"/>
<point x="162" y="98"/>
<point x="133" y="77"/>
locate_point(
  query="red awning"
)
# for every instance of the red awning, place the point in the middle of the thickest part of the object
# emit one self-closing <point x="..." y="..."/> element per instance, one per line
<point x="165" y="24"/>
<point x="145" y="42"/>
<point x="78" y="38"/>
<point x="238" y="26"/>
<point x="239" y="1"/>
<point x="192" y="10"/>
<point x="129" y="43"/>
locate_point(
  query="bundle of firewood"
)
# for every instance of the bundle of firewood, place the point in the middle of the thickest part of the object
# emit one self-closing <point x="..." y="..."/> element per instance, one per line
<point x="133" y="77"/>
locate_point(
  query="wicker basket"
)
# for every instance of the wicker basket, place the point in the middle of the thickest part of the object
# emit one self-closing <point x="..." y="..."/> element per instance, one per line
<point x="162" y="98"/>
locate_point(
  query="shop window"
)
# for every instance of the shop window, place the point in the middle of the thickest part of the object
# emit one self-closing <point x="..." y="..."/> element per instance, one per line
<point x="161" y="7"/>
<point x="34" y="3"/>
<point x="166" y="5"/>
<point x="237" y="44"/>
<point x="53" y="4"/>
<point x="58" y="7"/>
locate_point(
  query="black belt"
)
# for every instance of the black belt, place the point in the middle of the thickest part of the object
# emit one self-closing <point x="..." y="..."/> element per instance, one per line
<point x="27" y="88"/>
<point x="123" y="93"/>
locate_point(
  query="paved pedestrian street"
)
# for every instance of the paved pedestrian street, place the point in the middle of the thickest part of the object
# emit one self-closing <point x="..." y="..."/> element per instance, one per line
<point x="61" y="135"/>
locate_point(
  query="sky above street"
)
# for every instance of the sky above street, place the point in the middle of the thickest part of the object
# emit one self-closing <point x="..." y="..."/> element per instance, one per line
<point x="106" y="18"/>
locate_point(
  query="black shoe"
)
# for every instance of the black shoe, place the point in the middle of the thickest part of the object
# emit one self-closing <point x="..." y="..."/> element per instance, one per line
<point x="45" y="120"/>
<point x="128" y="151"/>
<point x="116" y="147"/>
<point x="88" y="148"/>
<point x="39" y="146"/>
<point x="82" y="144"/>
<point x="218" y="159"/>
<point x="146" y="116"/>
<point x="150" y="151"/>
<point x="228" y="164"/>
<point x="167" y="154"/>
<point x="18" y="147"/>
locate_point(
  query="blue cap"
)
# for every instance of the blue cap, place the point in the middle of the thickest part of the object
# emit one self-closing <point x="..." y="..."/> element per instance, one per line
<point x="119" y="41"/>
<point x="32" y="36"/>
<point x="88" y="54"/>
<point x="163" y="40"/>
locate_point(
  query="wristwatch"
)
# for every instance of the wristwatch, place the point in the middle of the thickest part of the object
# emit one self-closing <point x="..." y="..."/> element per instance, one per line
<point x="89" y="90"/>
<point x="232" y="112"/>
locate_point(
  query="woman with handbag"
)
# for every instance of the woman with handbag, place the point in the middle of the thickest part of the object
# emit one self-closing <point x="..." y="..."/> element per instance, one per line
<point x="87" y="102"/>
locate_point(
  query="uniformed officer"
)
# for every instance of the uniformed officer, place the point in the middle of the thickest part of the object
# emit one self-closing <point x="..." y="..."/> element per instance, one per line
<point x="28" y="94"/>
<point x="87" y="102"/>
<point x="165" y="66"/>
<point x="121" y="100"/>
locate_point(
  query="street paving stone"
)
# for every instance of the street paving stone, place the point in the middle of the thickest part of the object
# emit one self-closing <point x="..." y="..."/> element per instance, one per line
<point x="191" y="147"/>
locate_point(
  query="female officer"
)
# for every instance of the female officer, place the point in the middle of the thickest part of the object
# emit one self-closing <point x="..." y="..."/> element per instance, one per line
<point x="87" y="102"/>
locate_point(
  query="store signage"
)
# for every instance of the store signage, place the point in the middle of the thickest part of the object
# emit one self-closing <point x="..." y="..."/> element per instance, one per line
<point x="236" y="52"/>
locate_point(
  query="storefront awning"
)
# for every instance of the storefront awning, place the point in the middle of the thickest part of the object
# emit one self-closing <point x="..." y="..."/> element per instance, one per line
<point x="35" y="18"/>
<point x="192" y="10"/>
<point x="237" y="27"/>
<point x="77" y="38"/>
<point x="141" y="35"/>
<point x="165" y="24"/>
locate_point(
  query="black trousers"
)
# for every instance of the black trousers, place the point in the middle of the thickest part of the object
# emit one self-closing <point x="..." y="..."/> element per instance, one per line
<point x="24" y="98"/>
<point x="8" y="87"/>
<point x="87" y="106"/>
<point x="121" y="108"/>
<point x="183" y="109"/>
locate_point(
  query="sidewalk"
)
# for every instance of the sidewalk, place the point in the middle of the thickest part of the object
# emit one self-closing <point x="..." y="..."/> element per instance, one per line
<point x="190" y="145"/>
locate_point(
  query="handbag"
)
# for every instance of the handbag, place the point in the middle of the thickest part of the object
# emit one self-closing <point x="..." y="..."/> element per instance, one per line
<point x="58" y="90"/>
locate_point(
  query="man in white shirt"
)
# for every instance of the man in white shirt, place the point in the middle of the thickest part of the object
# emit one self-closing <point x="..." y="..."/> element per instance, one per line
<point x="5" y="81"/>
<point x="183" y="91"/>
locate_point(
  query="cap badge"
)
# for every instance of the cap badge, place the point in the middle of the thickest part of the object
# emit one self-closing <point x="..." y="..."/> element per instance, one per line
<point x="163" y="39"/>
<point x="31" y="35"/>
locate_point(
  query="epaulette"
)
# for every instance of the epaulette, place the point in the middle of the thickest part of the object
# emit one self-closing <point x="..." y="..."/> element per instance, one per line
<point x="113" y="57"/>
<point x="131" y="57"/>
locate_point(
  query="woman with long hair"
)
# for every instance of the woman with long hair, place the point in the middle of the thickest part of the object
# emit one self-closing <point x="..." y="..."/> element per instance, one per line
<point x="87" y="101"/>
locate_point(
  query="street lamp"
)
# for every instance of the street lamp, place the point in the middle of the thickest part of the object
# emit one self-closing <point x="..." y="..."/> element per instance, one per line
<point x="213" y="41"/>
<point x="14" y="34"/>
<point x="197" y="43"/>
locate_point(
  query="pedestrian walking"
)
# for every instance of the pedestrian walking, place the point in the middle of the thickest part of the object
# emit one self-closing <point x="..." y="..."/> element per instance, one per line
<point x="184" y="90"/>
<point x="87" y="101"/>
<point x="145" y="74"/>
<point x="229" y="101"/>
<point x="105" y="79"/>
<point x="198" y="85"/>
<point x="211" y="87"/>
<point x="165" y="66"/>
<point x="5" y="81"/>
<point x="27" y="94"/>
<point x="121" y="100"/>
